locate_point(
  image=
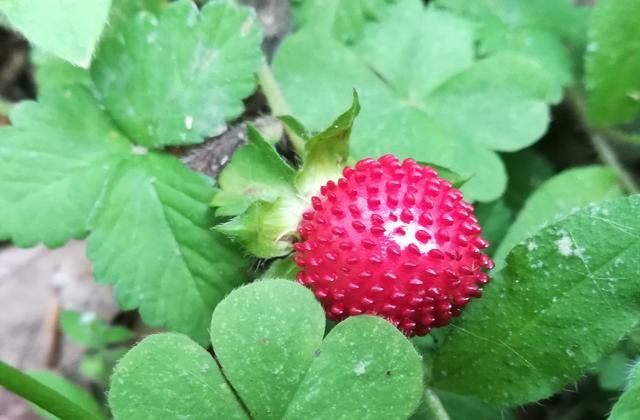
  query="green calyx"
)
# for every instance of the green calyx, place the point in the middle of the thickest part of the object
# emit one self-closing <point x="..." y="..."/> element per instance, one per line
<point x="265" y="197"/>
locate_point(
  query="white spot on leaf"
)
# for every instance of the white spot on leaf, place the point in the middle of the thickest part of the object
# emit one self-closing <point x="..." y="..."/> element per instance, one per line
<point x="139" y="150"/>
<point x="565" y="246"/>
<point x="246" y="26"/>
<point x="360" y="368"/>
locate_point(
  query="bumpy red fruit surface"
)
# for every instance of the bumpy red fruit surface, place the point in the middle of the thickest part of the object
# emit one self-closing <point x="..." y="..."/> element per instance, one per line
<point x="392" y="239"/>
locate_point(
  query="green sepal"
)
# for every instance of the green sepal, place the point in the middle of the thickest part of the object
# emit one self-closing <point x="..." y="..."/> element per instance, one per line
<point x="256" y="173"/>
<point x="266" y="229"/>
<point x="282" y="268"/>
<point x="456" y="179"/>
<point x="296" y="126"/>
<point x="265" y="195"/>
<point x="327" y="153"/>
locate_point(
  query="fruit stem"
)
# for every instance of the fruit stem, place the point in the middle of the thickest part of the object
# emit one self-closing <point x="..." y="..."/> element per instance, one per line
<point x="278" y="104"/>
<point x="41" y="395"/>
<point x="433" y="403"/>
<point x="601" y="144"/>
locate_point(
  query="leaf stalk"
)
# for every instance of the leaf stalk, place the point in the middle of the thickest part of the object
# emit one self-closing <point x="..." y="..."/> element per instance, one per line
<point x="278" y="104"/>
<point x="41" y="395"/>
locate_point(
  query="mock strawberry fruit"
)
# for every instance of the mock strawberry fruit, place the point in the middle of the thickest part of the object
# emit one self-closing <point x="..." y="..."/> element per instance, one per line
<point x="392" y="239"/>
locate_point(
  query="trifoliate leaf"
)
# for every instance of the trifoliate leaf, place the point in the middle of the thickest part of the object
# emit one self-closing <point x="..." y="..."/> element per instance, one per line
<point x="548" y="50"/>
<point x="543" y="31"/>
<point x="613" y="62"/>
<point x="396" y="77"/>
<point x="68" y="29"/>
<point x="177" y="78"/>
<point x="327" y="153"/>
<point x="345" y="19"/>
<point x="418" y="62"/>
<point x="57" y="160"/>
<point x="560" y="17"/>
<point x="152" y="238"/>
<point x="487" y="103"/>
<point x="267" y="337"/>
<point x="364" y="368"/>
<point x="86" y="329"/>
<point x="628" y="406"/>
<point x="558" y="307"/>
<point x="557" y="197"/>
<point x="256" y="173"/>
<point x="70" y="390"/>
<point x="169" y="376"/>
<point x="277" y="326"/>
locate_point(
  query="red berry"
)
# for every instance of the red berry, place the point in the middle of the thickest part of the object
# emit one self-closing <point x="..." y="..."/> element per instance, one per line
<point x="392" y="239"/>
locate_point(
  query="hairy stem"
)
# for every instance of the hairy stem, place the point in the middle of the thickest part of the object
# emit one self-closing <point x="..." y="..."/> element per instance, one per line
<point x="601" y="145"/>
<point x="433" y="403"/>
<point x="609" y="158"/>
<point x="41" y="395"/>
<point x="278" y="104"/>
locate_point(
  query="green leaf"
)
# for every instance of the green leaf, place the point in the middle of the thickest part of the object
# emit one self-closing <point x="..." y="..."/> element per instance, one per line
<point x="416" y="35"/>
<point x="277" y="326"/>
<point x="357" y="369"/>
<point x="68" y="29"/>
<point x="345" y="19"/>
<point x="487" y="103"/>
<point x="98" y="366"/>
<point x="52" y="72"/>
<point x="552" y="313"/>
<point x="178" y="78"/>
<point x="526" y="170"/>
<point x="456" y="179"/>
<point x="555" y="198"/>
<point x="400" y="70"/>
<point x="152" y="239"/>
<point x="613" y="62"/>
<point x="366" y="368"/>
<point x="495" y="218"/>
<point x="560" y="17"/>
<point x="256" y="172"/>
<point x="268" y="339"/>
<point x="296" y="127"/>
<point x="327" y="153"/>
<point x="58" y="157"/>
<point x="70" y="390"/>
<point x="552" y="55"/>
<point x="628" y="406"/>
<point x="86" y="329"/>
<point x="282" y="268"/>
<point x="170" y="376"/>
<point x="267" y="229"/>
<point x="460" y="407"/>
<point x="542" y="31"/>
